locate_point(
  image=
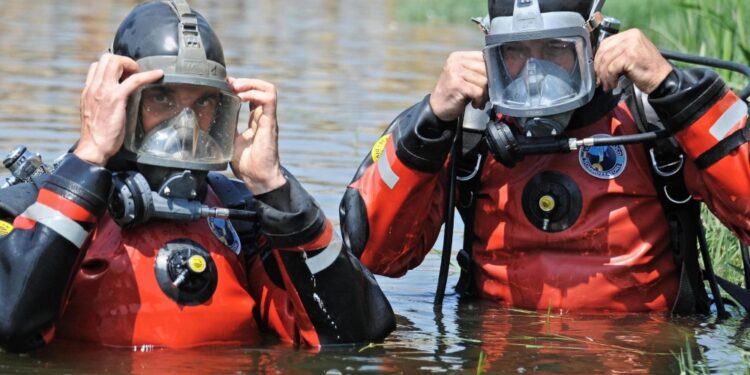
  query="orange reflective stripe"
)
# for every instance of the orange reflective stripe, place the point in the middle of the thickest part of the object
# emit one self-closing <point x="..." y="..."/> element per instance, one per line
<point x="321" y="242"/>
<point x="23" y="223"/>
<point x="307" y="331"/>
<point x="65" y="206"/>
<point x="48" y="334"/>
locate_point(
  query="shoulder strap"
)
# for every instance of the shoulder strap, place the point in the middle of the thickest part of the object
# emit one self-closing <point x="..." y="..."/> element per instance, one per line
<point x="682" y="212"/>
<point x="233" y="194"/>
<point x="473" y="157"/>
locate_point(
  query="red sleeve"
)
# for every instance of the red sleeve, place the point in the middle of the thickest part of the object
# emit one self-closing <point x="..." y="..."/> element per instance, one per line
<point x="724" y="185"/>
<point x="404" y="213"/>
<point x="392" y="212"/>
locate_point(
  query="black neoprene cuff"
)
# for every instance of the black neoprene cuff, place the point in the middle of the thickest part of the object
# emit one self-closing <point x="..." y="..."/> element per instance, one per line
<point x="424" y="140"/>
<point x="685" y="95"/>
<point x="84" y="183"/>
<point x="288" y="215"/>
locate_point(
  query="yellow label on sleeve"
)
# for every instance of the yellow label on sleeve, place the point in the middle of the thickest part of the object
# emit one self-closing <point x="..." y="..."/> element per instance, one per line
<point x="379" y="147"/>
<point x="5" y="228"/>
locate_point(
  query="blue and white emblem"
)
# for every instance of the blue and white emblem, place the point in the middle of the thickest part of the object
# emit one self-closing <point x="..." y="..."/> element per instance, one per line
<point x="603" y="162"/>
<point x="224" y="231"/>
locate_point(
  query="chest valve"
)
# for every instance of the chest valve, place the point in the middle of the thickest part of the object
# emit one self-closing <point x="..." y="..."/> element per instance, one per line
<point x="552" y="201"/>
<point x="185" y="272"/>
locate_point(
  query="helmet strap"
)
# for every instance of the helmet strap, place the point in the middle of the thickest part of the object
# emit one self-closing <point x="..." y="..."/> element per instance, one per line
<point x="191" y="58"/>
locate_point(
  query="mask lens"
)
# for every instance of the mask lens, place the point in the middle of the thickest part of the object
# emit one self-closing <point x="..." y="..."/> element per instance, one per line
<point x="181" y="123"/>
<point x="538" y="77"/>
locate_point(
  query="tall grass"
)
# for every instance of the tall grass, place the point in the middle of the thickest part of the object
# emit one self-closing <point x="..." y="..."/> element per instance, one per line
<point x="714" y="28"/>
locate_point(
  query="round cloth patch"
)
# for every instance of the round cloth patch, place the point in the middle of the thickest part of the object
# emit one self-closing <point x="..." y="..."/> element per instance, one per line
<point x="225" y="232"/>
<point x="603" y="162"/>
<point x="379" y="147"/>
<point x="5" y="228"/>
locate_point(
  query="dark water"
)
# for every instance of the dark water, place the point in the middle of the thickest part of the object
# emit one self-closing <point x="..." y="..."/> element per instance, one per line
<point x="344" y="68"/>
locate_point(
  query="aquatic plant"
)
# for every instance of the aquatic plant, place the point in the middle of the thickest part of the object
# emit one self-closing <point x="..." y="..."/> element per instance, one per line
<point x="685" y="362"/>
<point x="480" y="363"/>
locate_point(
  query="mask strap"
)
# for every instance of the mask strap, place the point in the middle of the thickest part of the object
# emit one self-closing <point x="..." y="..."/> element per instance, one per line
<point x="182" y="8"/>
<point x="527" y="16"/>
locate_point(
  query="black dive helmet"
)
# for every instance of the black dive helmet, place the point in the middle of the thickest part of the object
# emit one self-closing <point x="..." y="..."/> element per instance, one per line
<point x="180" y="128"/>
<point x="539" y="59"/>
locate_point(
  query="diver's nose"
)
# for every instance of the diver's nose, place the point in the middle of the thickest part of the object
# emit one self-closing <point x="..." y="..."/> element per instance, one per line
<point x="185" y="119"/>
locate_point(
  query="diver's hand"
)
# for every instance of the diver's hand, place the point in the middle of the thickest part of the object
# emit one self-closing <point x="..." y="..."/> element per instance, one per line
<point x="103" y="103"/>
<point x="463" y="80"/>
<point x="256" y="150"/>
<point x="630" y="53"/>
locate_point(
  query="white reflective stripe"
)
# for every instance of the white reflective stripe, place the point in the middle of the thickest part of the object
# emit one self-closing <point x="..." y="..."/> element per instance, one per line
<point x="386" y="172"/>
<point x="55" y="220"/>
<point x="721" y="128"/>
<point x="324" y="260"/>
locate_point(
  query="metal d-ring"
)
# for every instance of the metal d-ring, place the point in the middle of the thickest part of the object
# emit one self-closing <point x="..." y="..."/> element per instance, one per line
<point x="473" y="173"/>
<point x="658" y="168"/>
<point x="666" y="193"/>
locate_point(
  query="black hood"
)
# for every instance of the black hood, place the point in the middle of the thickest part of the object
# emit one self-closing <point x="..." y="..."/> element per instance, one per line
<point x="151" y="30"/>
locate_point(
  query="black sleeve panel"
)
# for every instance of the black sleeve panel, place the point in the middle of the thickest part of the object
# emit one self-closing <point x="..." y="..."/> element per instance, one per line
<point x="344" y="302"/>
<point x="685" y="95"/>
<point x="424" y="140"/>
<point x="289" y="216"/>
<point x="36" y="265"/>
<point x="15" y="199"/>
<point x="355" y="228"/>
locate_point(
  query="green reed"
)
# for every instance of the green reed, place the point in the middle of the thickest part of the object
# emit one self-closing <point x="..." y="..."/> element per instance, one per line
<point x="714" y="28"/>
<point x="687" y="364"/>
<point x="481" y="362"/>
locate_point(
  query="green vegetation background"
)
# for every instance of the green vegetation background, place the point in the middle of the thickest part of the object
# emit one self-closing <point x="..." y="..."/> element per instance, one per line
<point x="715" y="28"/>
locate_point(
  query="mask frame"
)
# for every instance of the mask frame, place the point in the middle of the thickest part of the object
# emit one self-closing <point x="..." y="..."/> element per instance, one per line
<point x="526" y="24"/>
<point x="223" y="127"/>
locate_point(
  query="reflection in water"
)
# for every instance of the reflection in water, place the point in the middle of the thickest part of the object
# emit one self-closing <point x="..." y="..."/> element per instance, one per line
<point x="344" y="69"/>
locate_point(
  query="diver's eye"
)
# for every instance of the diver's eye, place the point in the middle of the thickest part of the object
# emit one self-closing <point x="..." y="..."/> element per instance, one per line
<point x="160" y="99"/>
<point x="207" y="101"/>
<point x="557" y="48"/>
<point x="515" y="51"/>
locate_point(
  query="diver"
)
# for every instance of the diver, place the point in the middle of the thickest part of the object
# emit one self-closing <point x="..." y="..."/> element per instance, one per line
<point x="134" y="238"/>
<point x="582" y="230"/>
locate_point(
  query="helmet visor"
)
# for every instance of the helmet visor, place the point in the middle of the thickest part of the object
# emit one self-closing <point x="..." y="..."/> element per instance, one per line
<point x="182" y="126"/>
<point x="538" y="77"/>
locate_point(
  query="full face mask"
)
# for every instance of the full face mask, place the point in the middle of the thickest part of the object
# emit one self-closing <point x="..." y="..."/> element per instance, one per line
<point x="540" y="66"/>
<point x="182" y="126"/>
